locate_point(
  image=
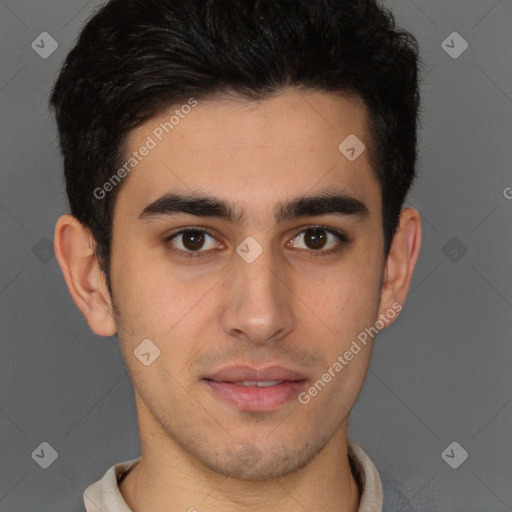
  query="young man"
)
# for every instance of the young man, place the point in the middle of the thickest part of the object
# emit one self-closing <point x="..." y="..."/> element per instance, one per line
<point x="236" y="172"/>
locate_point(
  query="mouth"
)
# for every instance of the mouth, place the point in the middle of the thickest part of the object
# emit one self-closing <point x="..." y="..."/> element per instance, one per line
<point x="258" y="384"/>
<point x="256" y="396"/>
<point x="251" y="389"/>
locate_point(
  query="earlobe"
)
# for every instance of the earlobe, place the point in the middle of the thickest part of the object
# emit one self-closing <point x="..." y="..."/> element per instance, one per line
<point x="401" y="260"/>
<point x="74" y="250"/>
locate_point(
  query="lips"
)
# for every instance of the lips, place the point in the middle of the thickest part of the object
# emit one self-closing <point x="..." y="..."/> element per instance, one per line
<point x="238" y="374"/>
<point x="257" y="390"/>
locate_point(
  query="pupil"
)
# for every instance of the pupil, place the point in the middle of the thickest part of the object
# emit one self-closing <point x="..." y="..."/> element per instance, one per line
<point x="317" y="237"/>
<point x="195" y="237"/>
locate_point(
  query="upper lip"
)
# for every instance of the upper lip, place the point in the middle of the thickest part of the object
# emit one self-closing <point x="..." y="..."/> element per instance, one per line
<point x="246" y="373"/>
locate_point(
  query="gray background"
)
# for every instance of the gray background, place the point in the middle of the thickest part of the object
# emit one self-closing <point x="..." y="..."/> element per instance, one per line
<point x="441" y="373"/>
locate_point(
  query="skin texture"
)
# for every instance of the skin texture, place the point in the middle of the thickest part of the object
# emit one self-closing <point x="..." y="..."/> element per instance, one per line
<point x="288" y="307"/>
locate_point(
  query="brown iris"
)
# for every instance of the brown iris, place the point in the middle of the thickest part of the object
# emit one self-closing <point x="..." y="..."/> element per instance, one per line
<point x="193" y="240"/>
<point x="317" y="238"/>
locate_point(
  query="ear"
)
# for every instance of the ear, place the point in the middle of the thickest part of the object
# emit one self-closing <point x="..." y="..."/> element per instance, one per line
<point x="74" y="250"/>
<point x="401" y="260"/>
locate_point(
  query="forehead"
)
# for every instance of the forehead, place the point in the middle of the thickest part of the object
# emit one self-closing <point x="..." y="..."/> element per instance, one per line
<point x="255" y="152"/>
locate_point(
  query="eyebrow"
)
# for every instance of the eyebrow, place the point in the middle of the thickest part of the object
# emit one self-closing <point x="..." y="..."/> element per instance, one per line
<point x="325" y="202"/>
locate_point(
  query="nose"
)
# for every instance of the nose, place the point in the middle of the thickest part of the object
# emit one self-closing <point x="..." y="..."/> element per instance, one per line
<point x="259" y="302"/>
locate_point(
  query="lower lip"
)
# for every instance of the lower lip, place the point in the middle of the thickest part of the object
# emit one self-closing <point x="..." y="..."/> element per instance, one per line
<point x="252" y="398"/>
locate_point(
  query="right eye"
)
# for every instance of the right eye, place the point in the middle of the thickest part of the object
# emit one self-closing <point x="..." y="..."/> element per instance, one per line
<point x="192" y="241"/>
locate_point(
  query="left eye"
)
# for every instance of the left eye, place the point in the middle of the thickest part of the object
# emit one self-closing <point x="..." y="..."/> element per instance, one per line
<point x="317" y="237"/>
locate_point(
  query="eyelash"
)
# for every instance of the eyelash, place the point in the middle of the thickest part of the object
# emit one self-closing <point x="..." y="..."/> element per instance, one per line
<point x="342" y="237"/>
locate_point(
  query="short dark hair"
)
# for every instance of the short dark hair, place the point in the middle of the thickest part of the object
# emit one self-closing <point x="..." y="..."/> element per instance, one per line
<point x="134" y="58"/>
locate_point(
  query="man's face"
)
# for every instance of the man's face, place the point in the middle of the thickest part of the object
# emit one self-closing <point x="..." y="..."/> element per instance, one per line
<point x="299" y="304"/>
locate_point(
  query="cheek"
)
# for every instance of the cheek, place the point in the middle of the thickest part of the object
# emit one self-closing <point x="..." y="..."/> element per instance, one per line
<point x="345" y="298"/>
<point x="139" y="295"/>
<point x="156" y="299"/>
<point x="349" y="307"/>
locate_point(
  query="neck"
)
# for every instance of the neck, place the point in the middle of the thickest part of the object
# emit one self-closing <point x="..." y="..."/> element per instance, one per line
<point x="169" y="478"/>
<point x="166" y="479"/>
